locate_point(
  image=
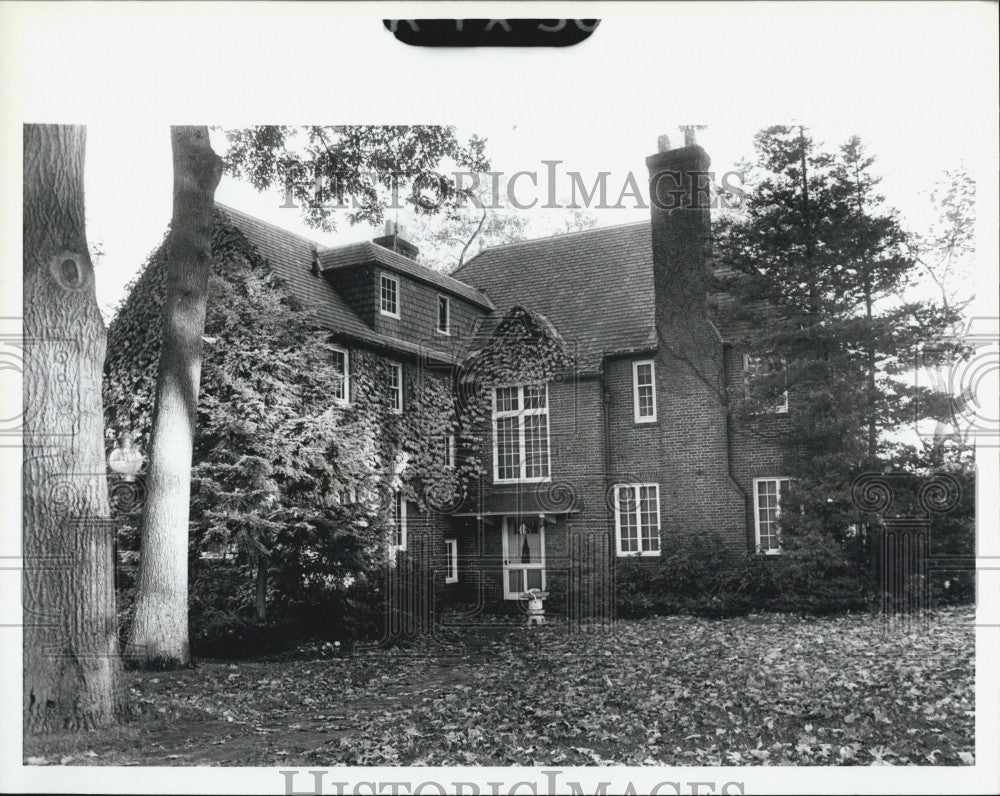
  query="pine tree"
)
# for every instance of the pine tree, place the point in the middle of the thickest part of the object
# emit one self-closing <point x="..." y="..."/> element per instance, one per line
<point x="815" y="262"/>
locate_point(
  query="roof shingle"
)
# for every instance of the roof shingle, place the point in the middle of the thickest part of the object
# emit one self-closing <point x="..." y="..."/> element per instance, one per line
<point x="290" y="256"/>
<point x="596" y="287"/>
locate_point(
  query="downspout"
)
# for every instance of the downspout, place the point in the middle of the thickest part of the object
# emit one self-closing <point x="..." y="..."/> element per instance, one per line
<point x="606" y="415"/>
<point x="729" y="442"/>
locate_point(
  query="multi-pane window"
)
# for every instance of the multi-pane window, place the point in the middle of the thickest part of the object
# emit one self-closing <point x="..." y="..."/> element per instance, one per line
<point x="342" y="385"/>
<point x="449" y="451"/>
<point x="521" y="433"/>
<point x="395" y="387"/>
<point x="637" y="519"/>
<point x="389" y="294"/>
<point x="644" y="391"/>
<point x="767" y="497"/>
<point x="764" y="382"/>
<point x="451" y="560"/>
<point x="398" y="541"/>
<point x="444" y="315"/>
<point x="347" y="496"/>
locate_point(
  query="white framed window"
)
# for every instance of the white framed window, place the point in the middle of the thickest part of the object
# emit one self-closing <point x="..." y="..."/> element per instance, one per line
<point x="756" y="367"/>
<point x="449" y="451"/>
<point x="521" y="433"/>
<point x="644" y="391"/>
<point x="637" y="519"/>
<point x="395" y="387"/>
<point x="389" y="295"/>
<point x="767" y="509"/>
<point x="398" y="530"/>
<point x="444" y="315"/>
<point x="342" y="367"/>
<point x="451" y="560"/>
<point x="347" y="496"/>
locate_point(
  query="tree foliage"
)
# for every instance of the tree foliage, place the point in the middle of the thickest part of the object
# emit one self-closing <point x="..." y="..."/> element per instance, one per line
<point x="281" y="472"/>
<point x="358" y="170"/>
<point x="814" y="263"/>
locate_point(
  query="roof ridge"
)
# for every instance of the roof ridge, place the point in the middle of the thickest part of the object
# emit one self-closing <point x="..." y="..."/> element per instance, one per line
<point x="547" y="238"/>
<point x="257" y="219"/>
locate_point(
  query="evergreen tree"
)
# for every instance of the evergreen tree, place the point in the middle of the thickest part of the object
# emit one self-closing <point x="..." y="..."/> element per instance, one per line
<point x="814" y="261"/>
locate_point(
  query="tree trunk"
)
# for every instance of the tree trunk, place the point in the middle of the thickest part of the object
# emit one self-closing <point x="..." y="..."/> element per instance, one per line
<point x="159" y="635"/>
<point x="260" y="597"/>
<point x="72" y="669"/>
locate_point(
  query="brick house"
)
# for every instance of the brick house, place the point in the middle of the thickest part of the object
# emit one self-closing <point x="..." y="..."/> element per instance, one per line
<point x="631" y="450"/>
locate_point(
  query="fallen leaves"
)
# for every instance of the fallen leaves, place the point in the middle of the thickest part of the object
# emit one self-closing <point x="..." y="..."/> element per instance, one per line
<point x="756" y="690"/>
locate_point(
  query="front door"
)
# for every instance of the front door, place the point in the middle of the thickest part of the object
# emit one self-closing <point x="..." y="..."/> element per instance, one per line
<point x="523" y="555"/>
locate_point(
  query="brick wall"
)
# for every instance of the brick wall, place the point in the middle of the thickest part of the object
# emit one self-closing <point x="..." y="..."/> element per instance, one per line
<point x="755" y="451"/>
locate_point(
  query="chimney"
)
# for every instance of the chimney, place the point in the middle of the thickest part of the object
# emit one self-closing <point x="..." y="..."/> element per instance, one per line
<point x="681" y="223"/>
<point x="394" y="239"/>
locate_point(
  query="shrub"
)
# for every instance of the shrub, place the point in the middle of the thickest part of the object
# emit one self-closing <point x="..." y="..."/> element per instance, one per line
<point x="695" y="576"/>
<point x="233" y="635"/>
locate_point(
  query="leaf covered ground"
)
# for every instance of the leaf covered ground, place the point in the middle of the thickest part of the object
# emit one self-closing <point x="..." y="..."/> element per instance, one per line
<point x="757" y="690"/>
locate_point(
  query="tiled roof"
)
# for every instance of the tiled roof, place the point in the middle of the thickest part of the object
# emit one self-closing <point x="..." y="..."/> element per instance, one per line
<point x="367" y="252"/>
<point x="596" y="287"/>
<point x="290" y="256"/>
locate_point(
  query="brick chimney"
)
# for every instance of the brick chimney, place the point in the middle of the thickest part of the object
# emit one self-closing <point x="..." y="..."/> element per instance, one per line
<point x="394" y="239"/>
<point x="697" y="492"/>
<point x="681" y="221"/>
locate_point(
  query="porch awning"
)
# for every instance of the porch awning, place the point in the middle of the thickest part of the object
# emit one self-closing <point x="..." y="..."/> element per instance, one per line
<point x="545" y="499"/>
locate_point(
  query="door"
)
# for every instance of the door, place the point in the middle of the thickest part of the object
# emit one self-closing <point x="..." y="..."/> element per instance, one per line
<point x="523" y="555"/>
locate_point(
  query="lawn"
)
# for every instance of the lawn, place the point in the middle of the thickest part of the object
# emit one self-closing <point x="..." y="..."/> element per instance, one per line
<point x="757" y="690"/>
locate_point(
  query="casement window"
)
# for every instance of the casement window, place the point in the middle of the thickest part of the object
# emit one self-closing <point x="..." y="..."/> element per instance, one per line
<point x="756" y="368"/>
<point x="389" y="295"/>
<point x="347" y="496"/>
<point x="451" y="560"/>
<point x="444" y="315"/>
<point x="342" y="386"/>
<point x="637" y="519"/>
<point x="449" y="451"/>
<point x="767" y="509"/>
<point x="521" y="433"/>
<point x="395" y="388"/>
<point x="398" y="530"/>
<point x="644" y="391"/>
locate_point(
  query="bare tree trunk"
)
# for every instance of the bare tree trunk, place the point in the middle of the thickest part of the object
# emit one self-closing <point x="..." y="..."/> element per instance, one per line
<point x="260" y="597"/>
<point x="159" y="634"/>
<point x="72" y="669"/>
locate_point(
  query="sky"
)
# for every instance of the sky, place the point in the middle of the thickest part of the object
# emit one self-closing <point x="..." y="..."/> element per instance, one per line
<point x="126" y="162"/>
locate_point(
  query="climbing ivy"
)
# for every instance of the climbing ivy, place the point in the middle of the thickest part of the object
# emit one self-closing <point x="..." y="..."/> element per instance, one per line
<point x="523" y="348"/>
<point x="274" y="454"/>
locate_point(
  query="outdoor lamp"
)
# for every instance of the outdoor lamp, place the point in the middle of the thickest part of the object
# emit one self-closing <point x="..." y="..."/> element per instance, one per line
<point x="125" y="459"/>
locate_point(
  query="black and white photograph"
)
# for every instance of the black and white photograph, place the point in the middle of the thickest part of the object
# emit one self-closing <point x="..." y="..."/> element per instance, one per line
<point x="533" y="405"/>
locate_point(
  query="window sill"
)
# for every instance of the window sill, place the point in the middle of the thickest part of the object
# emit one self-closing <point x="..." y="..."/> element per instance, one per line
<point x="644" y="554"/>
<point x="644" y="421"/>
<point x="389" y="314"/>
<point x="547" y="479"/>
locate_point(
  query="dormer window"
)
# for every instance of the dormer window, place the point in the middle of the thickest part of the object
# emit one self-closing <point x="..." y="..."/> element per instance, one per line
<point x="444" y="315"/>
<point x="389" y="292"/>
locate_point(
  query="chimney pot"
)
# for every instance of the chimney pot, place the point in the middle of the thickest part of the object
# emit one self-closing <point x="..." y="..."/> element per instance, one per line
<point x="663" y="143"/>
